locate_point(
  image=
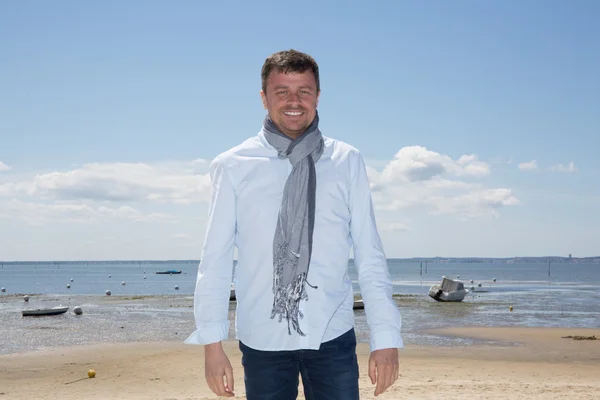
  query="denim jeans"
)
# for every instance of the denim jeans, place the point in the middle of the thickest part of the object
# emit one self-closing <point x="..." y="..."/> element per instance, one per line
<point x="330" y="373"/>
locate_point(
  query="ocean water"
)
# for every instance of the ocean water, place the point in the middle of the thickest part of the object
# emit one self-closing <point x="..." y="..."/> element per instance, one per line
<point x="409" y="278"/>
<point x="542" y="295"/>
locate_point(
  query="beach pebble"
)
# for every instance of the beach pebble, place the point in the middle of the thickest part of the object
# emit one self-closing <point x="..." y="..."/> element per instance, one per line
<point x="108" y="292"/>
<point x="77" y="310"/>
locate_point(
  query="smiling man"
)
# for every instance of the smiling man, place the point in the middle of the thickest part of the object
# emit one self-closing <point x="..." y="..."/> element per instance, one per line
<point x="294" y="203"/>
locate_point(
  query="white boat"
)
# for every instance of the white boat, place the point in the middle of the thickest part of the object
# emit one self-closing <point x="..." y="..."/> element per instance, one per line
<point x="45" y="311"/>
<point x="448" y="290"/>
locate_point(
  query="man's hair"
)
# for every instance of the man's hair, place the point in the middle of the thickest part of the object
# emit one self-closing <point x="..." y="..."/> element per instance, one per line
<point x="289" y="61"/>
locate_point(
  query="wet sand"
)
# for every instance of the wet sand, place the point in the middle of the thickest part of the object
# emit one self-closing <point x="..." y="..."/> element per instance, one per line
<point x="506" y="363"/>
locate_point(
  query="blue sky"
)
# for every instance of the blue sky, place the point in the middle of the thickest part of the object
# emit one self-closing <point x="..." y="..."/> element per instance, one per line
<point x="111" y="111"/>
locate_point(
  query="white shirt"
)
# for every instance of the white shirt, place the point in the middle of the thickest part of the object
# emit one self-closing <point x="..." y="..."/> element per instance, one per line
<point x="247" y="188"/>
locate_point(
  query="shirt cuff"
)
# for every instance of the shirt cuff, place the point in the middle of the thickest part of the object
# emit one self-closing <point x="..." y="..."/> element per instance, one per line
<point x="391" y="339"/>
<point x="209" y="335"/>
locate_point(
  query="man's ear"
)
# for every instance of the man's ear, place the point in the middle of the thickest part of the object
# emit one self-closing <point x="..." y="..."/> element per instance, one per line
<point x="263" y="97"/>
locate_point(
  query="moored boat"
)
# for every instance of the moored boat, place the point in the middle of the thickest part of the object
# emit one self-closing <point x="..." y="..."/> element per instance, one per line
<point x="169" y="272"/>
<point x="448" y="290"/>
<point x="45" y="311"/>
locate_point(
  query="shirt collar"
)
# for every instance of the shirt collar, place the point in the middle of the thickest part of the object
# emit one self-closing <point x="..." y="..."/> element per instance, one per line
<point x="264" y="141"/>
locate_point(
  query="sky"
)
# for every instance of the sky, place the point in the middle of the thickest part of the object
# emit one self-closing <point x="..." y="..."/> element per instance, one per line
<point x="479" y="121"/>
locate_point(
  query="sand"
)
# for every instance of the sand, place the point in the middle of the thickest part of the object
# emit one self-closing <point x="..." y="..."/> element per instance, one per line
<point x="508" y="363"/>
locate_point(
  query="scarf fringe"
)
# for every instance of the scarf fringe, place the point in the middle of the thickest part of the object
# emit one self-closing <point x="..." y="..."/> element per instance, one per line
<point x="286" y="302"/>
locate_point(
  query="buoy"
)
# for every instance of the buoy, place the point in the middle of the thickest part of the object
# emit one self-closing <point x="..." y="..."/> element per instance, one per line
<point x="108" y="292"/>
<point x="510" y="308"/>
<point x="494" y="279"/>
<point x="3" y="290"/>
<point x="123" y="283"/>
<point x="176" y="287"/>
<point x="71" y="279"/>
<point x="110" y="276"/>
<point x="91" y="373"/>
<point x="144" y="276"/>
<point x="479" y="284"/>
<point x="457" y="276"/>
<point x="68" y="286"/>
<point x="77" y="310"/>
<point x="26" y="298"/>
<point x="471" y="280"/>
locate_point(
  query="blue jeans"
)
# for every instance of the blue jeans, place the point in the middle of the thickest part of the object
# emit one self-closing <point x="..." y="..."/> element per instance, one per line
<point x="330" y="373"/>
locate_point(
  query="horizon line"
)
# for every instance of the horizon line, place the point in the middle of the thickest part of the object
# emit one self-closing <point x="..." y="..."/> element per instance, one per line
<point x="349" y="258"/>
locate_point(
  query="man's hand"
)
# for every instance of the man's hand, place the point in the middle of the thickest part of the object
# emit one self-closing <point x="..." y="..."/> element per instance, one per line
<point x="217" y="365"/>
<point x="383" y="369"/>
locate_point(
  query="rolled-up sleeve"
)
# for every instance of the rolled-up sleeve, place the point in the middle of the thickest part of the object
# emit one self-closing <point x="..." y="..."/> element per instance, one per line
<point x="213" y="284"/>
<point x="383" y="315"/>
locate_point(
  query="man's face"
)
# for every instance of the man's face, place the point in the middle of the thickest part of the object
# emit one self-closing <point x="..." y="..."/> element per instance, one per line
<point x="291" y="100"/>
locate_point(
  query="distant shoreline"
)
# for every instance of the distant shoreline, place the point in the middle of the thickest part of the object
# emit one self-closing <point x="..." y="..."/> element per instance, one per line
<point x="434" y="260"/>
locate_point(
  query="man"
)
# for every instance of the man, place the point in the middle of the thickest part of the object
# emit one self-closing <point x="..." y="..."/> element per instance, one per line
<point x="293" y="203"/>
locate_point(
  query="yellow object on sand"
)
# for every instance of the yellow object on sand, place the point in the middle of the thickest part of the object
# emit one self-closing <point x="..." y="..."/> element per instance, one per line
<point x="91" y="373"/>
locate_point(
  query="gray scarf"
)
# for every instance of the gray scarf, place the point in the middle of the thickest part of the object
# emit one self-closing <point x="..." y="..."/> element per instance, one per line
<point x="292" y="244"/>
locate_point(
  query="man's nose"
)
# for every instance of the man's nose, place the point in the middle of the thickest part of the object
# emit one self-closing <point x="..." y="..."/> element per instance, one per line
<point x="294" y="98"/>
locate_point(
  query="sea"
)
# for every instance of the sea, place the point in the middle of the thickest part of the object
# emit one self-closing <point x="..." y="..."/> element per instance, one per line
<point x="543" y="294"/>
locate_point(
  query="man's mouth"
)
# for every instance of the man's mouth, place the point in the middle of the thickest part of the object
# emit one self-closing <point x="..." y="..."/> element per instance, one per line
<point x="293" y="113"/>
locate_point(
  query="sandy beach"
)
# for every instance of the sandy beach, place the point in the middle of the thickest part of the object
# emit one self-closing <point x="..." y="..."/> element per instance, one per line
<point x="507" y="363"/>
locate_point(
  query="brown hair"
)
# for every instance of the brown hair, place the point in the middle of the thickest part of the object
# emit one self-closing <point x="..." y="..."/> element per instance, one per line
<point x="289" y="61"/>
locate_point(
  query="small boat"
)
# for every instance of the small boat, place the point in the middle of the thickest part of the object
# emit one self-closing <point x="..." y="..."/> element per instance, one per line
<point x="449" y="290"/>
<point x="169" y="272"/>
<point x="45" y="311"/>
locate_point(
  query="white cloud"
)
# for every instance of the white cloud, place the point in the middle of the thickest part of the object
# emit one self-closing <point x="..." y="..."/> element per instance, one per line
<point x="475" y="203"/>
<point x="565" y="168"/>
<point x="4" y="167"/>
<point x="527" y="166"/>
<point x="416" y="177"/>
<point x="416" y="163"/>
<point x="423" y="179"/>
<point x="41" y="213"/>
<point x="118" y="182"/>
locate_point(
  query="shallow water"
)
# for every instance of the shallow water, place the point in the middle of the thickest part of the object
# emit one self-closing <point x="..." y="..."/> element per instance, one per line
<point x="151" y="309"/>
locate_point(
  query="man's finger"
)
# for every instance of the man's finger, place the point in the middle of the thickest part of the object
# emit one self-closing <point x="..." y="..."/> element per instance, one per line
<point x="372" y="371"/>
<point x="383" y="379"/>
<point x="229" y="378"/>
<point x="380" y="380"/>
<point x="213" y="384"/>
